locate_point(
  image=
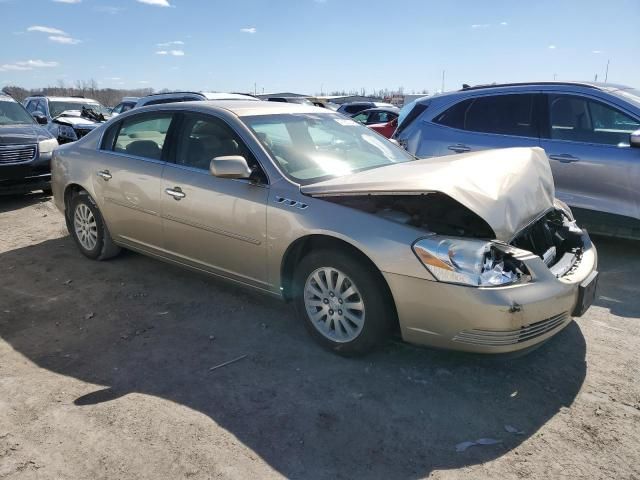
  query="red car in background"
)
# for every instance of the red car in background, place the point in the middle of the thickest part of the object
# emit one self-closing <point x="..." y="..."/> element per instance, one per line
<point x="381" y="119"/>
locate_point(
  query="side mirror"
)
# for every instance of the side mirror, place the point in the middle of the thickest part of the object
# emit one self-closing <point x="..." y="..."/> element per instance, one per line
<point x="232" y="166"/>
<point x="40" y="118"/>
<point x="634" y="139"/>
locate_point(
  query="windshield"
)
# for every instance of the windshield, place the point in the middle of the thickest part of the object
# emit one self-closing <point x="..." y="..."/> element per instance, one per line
<point x="12" y="113"/>
<point x="311" y="147"/>
<point x="57" y="108"/>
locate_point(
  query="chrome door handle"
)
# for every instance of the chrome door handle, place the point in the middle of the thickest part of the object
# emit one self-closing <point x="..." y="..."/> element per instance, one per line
<point x="459" y="148"/>
<point x="105" y="175"/>
<point x="564" y="158"/>
<point x="175" y="192"/>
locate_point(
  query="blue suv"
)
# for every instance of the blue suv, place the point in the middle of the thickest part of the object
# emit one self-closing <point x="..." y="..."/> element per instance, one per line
<point x="590" y="132"/>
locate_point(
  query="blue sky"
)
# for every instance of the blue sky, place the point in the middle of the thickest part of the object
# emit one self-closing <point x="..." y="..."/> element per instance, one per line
<point x="308" y="45"/>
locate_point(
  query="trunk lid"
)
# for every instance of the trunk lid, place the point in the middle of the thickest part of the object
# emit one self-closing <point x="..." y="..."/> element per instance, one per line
<point x="508" y="188"/>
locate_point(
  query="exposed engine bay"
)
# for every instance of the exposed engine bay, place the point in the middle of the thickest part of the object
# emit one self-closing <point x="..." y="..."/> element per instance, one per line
<point x="554" y="237"/>
<point x="433" y="212"/>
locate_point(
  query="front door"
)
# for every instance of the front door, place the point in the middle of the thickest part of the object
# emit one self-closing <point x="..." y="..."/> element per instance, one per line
<point x="128" y="177"/>
<point x="216" y="224"/>
<point x="594" y="167"/>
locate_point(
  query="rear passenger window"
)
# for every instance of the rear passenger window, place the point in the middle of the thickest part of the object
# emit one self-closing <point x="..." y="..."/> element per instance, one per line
<point x="499" y="114"/>
<point x="143" y="135"/>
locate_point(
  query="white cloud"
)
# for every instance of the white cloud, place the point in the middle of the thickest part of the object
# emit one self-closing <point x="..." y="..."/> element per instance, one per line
<point x="67" y="1"/>
<point x="596" y="51"/>
<point x="64" y="40"/>
<point x="168" y="44"/>
<point x="480" y="25"/>
<point x="552" y="47"/>
<point x="249" y="30"/>
<point x="175" y="53"/>
<point x="108" y="9"/>
<point x="504" y="24"/>
<point x="157" y="3"/>
<point x="143" y="82"/>
<point x="50" y="30"/>
<point x="26" y="65"/>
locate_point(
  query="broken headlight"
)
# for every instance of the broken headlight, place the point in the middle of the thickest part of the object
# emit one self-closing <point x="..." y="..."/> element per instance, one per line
<point x="65" y="131"/>
<point x="468" y="262"/>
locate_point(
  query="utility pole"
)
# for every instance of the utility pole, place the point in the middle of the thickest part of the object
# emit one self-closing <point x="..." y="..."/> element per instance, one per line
<point x="442" y="81"/>
<point x="555" y="75"/>
<point x="255" y="88"/>
<point x="606" y="75"/>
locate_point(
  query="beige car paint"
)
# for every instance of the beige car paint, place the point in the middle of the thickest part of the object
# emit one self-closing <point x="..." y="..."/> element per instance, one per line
<point x="242" y="232"/>
<point x="508" y="188"/>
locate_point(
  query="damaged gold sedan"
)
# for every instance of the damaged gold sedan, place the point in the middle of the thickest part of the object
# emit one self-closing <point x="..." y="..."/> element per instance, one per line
<point x="471" y="252"/>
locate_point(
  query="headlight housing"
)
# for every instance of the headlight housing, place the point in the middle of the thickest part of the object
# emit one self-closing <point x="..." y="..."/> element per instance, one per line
<point x="48" y="145"/>
<point x="65" y="131"/>
<point x="469" y="262"/>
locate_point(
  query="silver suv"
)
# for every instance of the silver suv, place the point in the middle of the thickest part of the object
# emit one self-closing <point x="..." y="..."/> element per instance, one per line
<point x="588" y="131"/>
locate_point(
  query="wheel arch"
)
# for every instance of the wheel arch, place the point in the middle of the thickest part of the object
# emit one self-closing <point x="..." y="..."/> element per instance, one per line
<point x="304" y="245"/>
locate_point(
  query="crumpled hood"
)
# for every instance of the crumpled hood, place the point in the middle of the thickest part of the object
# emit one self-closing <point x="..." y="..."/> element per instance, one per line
<point x="74" y="118"/>
<point x="509" y="188"/>
<point x="22" y="134"/>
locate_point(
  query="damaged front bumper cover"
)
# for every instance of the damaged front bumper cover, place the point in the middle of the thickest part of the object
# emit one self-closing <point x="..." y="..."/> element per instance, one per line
<point x="495" y="319"/>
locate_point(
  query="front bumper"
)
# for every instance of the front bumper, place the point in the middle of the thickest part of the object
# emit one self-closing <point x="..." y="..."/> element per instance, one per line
<point x="492" y="319"/>
<point x="24" y="177"/>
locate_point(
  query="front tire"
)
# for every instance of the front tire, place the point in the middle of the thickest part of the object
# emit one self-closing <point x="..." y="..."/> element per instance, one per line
<point x="343" y="301"/>
<point x="87" y="227"/>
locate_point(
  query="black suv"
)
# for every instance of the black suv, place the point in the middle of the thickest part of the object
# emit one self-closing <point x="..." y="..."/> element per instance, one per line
<point x="25" y="150"/>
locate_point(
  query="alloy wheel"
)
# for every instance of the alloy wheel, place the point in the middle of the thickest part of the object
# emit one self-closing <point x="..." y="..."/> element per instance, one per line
<point x="85" y="226"/>
<point x="334" y="304"/>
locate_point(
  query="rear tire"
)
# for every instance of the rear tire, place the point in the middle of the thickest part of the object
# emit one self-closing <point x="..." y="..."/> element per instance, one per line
<point x="87" y="227"/>
<point x="343" y="302"/>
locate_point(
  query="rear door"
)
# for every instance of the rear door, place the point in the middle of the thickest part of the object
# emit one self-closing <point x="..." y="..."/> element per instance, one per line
<point x="479" y="123"/>
<point x="587" y="141"/>
<point x="216" y="224"/>
<point x="128" y="178"/>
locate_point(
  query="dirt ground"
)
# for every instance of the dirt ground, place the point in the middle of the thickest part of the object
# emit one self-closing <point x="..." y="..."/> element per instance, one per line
<point x="105" y="374"/>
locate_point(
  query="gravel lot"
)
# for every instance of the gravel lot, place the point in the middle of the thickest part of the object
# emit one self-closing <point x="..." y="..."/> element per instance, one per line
<point x="105" y="373"/>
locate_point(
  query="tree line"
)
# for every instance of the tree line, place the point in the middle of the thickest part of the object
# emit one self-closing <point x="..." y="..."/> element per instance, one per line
<point x="109" y="97"/>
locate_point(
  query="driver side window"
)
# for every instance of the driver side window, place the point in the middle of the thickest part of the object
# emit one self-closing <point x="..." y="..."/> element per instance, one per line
<point x="203" y="138"/>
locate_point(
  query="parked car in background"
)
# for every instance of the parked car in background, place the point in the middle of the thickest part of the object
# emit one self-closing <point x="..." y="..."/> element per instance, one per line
<point x="25" y="150"/>
<point x="383" y="120"/>
<point x="172" y="97"/>
<point x="376" y="115"/>
<point x="470" y="253"/>
<point x="127" y="104"/>
<point x="300" y="100"/>
<point x="589" y="131"/>
<point x="67" y="118"/>
<point x="352" y="108"/>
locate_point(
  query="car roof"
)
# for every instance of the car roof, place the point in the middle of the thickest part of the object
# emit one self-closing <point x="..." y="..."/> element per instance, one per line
<point x="65" y="99"/>
<point x="381" y="109"/>
<point x="228" y="96"/>
<point x="243" y="108"/>
<point x="505" y="87"/>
